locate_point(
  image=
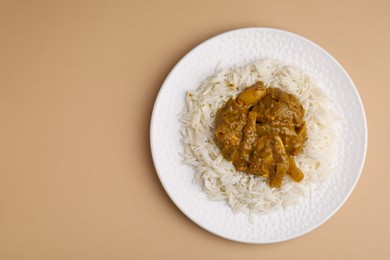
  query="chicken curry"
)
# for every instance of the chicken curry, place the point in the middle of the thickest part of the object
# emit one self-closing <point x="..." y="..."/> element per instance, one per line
<point x="260" y="131"/>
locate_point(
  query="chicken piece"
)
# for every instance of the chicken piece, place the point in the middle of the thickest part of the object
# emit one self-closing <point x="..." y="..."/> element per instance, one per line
<point x="270" y="160"/>
<point x="262" y="160"/>
<point x="247" y="142"/>
<point x="279" y="107"/>
<point x="230" y="122"/>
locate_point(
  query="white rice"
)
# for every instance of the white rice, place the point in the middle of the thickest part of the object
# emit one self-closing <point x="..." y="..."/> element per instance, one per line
<point x="244" y="192"/>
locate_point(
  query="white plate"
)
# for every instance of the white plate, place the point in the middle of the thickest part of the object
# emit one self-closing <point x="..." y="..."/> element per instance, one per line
<point x="239" y="47"/>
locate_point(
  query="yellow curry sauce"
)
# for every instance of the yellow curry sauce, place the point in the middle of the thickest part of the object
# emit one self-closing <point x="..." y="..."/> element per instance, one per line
<point x="260" y="132"/>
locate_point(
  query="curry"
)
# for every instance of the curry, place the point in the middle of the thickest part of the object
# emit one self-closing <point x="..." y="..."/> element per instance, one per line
<point x="260" y="131"/>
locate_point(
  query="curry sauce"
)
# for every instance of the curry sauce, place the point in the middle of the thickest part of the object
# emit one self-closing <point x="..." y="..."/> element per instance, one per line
<point x="260" y="131"/>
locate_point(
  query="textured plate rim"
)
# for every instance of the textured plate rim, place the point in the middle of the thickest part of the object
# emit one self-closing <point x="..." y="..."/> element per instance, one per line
<point x="320" y="49"/>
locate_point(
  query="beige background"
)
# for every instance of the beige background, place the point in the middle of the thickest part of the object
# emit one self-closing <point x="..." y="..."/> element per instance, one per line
<point x="78" y="81"/>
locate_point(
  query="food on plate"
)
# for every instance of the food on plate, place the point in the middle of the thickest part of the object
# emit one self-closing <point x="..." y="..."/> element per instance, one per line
<point x="260" y="131"/>
<point x="260" y="137"/>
